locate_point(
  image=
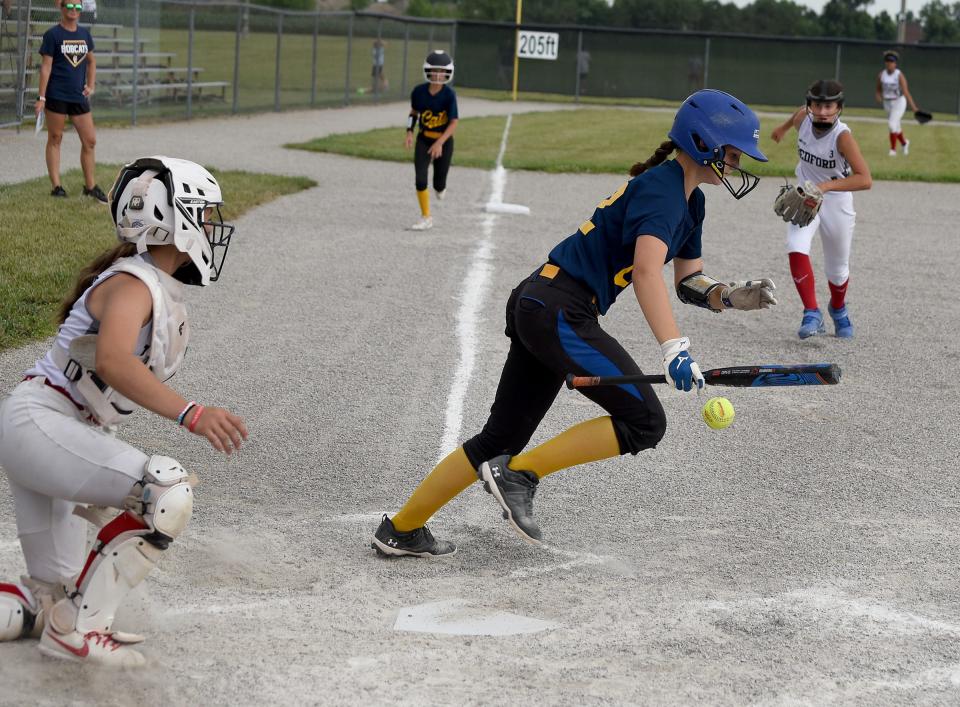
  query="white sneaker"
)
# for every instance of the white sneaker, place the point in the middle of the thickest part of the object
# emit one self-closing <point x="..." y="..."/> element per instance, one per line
<point x="108" y="649"/>
<point x="440" y="194"/>
<point x="423" y="224"/>
<point x="892" y="153"/>
<point x="906" y="147"/>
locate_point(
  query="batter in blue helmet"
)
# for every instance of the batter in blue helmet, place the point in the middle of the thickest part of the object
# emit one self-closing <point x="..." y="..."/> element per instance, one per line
<point x="553" y="324"/>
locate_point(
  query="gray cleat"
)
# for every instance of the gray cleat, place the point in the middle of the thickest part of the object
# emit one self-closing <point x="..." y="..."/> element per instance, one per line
<point x="514" y="491"/>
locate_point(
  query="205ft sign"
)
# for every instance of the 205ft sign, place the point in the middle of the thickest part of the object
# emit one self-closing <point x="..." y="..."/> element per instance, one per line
<point x="538" y="45"/>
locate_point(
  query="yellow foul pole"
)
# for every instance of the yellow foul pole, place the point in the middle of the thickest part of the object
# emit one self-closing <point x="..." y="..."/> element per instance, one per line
<point x="516" y="49"/>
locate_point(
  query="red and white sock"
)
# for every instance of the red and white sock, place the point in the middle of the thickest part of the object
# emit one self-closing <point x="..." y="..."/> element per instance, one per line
<point x="901" y="138"/>
<point x="893" y="141"/>
<point x="802" y="271"/>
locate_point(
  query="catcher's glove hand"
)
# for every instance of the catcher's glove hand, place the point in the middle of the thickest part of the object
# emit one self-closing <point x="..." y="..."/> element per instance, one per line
<point x="922" y="116"/>
<point x="798" y="204"/>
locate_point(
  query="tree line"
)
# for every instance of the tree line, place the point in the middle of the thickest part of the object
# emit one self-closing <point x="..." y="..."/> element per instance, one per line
<point x="839" y="18"/>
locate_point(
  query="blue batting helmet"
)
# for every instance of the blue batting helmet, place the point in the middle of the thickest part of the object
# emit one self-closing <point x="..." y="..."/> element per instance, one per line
<point x="710" y="119"/>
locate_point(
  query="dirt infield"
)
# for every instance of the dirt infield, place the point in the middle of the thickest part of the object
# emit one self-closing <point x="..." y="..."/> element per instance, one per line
<point x="806" y="555"/>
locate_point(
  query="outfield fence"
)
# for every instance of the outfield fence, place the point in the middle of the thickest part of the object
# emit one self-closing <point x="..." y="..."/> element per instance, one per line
<point x="180" y="58"/>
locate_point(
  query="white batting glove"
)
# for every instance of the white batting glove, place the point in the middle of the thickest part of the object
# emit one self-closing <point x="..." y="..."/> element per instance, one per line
<point x="679" y="366"/>
<point x="749" y="294"/>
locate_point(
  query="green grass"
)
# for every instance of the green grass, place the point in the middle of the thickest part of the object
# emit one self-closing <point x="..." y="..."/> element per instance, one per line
<point x="611" y="140"/>
<point x="46" y="241"/>
<point x="536" y="97"/>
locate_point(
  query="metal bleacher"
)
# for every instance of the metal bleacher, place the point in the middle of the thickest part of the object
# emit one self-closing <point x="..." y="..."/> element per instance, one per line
<point x="158" y="76"/>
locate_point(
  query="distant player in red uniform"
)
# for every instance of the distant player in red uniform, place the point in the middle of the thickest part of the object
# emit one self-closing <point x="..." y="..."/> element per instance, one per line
<point x="893" y="92"/>
<point x="831" y="159"/>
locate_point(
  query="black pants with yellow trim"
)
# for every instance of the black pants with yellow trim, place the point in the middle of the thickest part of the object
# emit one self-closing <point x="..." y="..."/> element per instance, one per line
<point x="441" y="165"/>
<point x="552" y="322"/>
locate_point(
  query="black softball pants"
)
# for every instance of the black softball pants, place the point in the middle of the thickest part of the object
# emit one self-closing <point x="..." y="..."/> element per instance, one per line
<point x="441" y="165"/>
<point x="553" y="326"/>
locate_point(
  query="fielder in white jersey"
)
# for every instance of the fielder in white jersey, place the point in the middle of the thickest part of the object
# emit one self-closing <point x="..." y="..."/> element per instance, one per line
<point x="123" y="334"/>
<point x="893" y="92"/>
<point x="831" y="159"/>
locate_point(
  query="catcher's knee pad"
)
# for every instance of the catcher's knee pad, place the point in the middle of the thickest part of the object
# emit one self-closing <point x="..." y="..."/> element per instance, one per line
<point x="128" y="547"/>
<point x="24" y="606"/>
<point x="635" y="435"/>
<point x="18" y="612"/>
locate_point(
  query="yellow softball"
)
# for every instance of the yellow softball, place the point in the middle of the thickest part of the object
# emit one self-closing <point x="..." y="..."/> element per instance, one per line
<point x="718" y="413"/>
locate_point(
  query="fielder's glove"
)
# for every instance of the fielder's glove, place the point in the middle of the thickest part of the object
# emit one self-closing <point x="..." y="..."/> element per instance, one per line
<point x="679" y="366"/>
<point x="922" y="116"/>
<point x="752" y="294"/>
<point x="798" y="204"/>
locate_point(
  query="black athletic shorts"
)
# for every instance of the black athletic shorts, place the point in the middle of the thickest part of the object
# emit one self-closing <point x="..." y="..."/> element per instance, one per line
<point x="66" y="108"/>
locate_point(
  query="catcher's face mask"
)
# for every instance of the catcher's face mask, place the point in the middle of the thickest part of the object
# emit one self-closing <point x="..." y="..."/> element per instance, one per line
<point x="824" y="114"/>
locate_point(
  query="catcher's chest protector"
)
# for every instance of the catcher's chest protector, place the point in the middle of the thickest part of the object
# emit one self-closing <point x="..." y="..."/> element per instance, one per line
<point x="820" y="160"/>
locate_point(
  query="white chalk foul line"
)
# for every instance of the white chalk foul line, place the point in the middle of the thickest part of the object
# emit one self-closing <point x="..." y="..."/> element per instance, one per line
<point x="576" y="559"/>
<point x="471" y="303"/>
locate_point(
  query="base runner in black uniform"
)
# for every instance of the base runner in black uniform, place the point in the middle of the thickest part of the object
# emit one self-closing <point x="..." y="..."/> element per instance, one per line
<point x="552" y="321"/>
<point x="434" y="106"/>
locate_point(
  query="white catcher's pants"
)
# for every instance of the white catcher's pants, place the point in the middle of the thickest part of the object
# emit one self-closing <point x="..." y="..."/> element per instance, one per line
<point x="895" y="109"/>
<point x="54" y="460"/>
<point x="835" y="220"/>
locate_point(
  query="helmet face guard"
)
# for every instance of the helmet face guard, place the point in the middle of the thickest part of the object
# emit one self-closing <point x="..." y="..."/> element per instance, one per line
<point x="217" y="235"/>
<point x="438" y="67"/>
<point x="710" y="120"/>
<point x="154" y="198"/>
<point x="747" y="180"/>
<point x="825" y="92"/>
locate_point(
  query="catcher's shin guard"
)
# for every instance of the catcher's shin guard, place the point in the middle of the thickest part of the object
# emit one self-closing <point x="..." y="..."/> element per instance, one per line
<point x="127" y="548"/>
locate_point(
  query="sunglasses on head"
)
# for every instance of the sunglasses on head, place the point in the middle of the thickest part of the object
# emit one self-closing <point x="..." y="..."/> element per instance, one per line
<point x="72" y="6"/>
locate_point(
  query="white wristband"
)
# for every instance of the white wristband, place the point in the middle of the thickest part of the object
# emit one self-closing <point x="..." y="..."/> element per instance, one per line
<point x="42" y="98"/>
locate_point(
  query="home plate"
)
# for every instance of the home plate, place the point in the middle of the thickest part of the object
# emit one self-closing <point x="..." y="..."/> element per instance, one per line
<point x="456" y="617"/>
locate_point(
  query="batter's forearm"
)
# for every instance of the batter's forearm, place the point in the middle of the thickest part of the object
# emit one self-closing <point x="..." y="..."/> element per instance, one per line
<point x="655" y="303"/>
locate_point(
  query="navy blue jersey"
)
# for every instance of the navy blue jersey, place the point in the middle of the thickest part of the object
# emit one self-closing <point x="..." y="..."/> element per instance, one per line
<point x="600" y="253"/>
<point x="436" y="111"/>
<point x="69" y="51"/>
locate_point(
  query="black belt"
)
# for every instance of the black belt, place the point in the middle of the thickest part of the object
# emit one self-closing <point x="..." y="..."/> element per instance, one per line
<point x="563" y="281"/>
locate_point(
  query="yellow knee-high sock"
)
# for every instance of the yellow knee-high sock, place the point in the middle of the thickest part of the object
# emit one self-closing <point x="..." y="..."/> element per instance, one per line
<point x="587" y="442"/>
<point x="448" y="478"/>
<point x="424" y="198"/>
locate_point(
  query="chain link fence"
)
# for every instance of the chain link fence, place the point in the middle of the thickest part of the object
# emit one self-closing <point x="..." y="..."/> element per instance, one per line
<point x="176" y="58"/>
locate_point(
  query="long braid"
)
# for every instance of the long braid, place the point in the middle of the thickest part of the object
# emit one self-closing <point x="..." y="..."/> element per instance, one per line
<point x="659" y="155"/>
<point x="91" y="272"/>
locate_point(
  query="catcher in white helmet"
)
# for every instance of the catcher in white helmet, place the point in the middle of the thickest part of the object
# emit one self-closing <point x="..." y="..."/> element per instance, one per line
<point x="830" y="168"/>
<point x="434" y="106"/>
<point x="123" y="333"/>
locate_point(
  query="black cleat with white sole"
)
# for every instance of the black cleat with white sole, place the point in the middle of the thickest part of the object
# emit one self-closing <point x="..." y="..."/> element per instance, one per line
<point x="419" y="542"/>
<point x="514" y="491"/>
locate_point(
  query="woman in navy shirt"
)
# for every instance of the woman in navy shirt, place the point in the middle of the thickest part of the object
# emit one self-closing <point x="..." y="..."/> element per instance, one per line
<point x="434" y="106"/>
<point x="67" y="78"/>
<point x="552" y="322"/>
